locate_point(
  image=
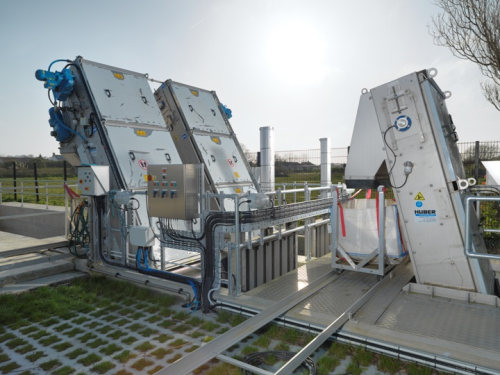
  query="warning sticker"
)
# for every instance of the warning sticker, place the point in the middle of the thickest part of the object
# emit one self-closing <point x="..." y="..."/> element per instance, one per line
<point x="419" y="197"/>
<point x="143" y="164"/>
<point x="425" y="216"/>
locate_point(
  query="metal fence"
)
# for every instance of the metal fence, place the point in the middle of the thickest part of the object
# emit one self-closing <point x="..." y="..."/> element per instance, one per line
<point x="304" y="165"/>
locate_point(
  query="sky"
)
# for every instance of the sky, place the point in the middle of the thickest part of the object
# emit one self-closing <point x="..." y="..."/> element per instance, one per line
<point x="296" y="65"/>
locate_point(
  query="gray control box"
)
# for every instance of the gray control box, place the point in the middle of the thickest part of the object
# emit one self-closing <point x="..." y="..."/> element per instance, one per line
<point x="93" y="180"/>
<point x="173" y="191"/>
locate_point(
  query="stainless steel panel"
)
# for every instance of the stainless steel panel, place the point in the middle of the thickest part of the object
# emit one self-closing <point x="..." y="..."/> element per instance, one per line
<point x="134" y="152"/>
<point x="122" y="95"/>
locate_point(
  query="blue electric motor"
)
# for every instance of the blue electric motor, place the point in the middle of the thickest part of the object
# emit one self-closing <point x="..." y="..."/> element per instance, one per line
<point x="61" y="83"/>
<point x="60" y="131"/>
<point x="226" y="111"/>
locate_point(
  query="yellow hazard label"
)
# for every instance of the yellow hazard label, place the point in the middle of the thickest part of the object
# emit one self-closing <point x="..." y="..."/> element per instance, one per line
<point x="118" y="76"/>
<point x="419" y="197"/>
<point x="141" y="133"/>
<point x="194" y="92"/>
<point x="237" y="190"/>
<point x="236" y="174"/>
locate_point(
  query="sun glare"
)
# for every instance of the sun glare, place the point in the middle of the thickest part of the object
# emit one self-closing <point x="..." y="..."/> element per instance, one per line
<point x="296" y="52"/>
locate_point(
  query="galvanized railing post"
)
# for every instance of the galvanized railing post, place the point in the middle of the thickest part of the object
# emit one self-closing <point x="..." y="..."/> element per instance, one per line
<point x="334" y="225"/>
<point x="66" y="222"/>
<point x="0" y="192"/>
<point x="22" y="193"/>
<point x="381" y="230"/>
<point x="46" y="195"/>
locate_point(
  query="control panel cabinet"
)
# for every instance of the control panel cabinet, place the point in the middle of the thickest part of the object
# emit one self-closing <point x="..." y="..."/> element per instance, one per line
<point x="173" y="191"/>
<point x="93" y="180"/>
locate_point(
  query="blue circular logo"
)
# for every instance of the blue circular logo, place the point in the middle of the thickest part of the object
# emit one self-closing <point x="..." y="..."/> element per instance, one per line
<point x="403" y="123"/>
<point x="419" y="204"/>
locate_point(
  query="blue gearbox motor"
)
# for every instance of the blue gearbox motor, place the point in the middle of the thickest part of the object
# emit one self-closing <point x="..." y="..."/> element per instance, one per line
<point x="60" y="131"/>
<point x="61" y="83"/>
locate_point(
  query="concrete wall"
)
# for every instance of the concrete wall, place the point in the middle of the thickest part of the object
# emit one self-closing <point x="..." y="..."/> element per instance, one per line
<point x="46" y="223"/>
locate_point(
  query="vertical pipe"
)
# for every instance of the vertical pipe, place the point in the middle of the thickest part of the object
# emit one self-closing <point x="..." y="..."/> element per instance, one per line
<point x="476" y="162"/>
<point x="15" y="182"/>
<point x="381" y="230"/>
<point x="267" y="158"/>
<point x="326" y="170"/>
<point x="237" y="243"/>
<point x="65" y="171"/>
<point x="36" y="182"/>
<point x="334" y="226"/>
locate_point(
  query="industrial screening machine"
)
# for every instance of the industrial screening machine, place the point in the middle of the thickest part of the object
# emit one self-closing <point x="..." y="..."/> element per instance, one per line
<point x="404" y="138"/>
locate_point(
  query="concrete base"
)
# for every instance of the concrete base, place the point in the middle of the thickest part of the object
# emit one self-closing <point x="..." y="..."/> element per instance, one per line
<point x="32" y="220"/>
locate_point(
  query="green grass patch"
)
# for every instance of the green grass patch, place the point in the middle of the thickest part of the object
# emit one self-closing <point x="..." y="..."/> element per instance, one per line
<point x="249" y="350"/>
<point x="123" y="372"/>
<point x="209" y="326"/>
<point x="111" y="349"/>
<point x="416" y="369"/>
<point x="33" y="357"/>
<point x="353" y="369"/>
<point x="103" y="367"/>
<point x="160" y="353"/>
<point x="105" y="329"/>
<point x="125" y="356"/>
<point x="66" y="370"/>
<point x="110" y="318"/>
<point x="9" y="367"/>
<point x="138" y="315"/>
<point x="222" y="331"/>
<point x="50" y="365"/>
<point x="387" y="364"/>
<point x="4" y="358"/>
<point x="76" y="353"/>
<point x="144" y="347"/>
<point x="62" y="346"/>
<point x="75" y="331"/>
<point x="28" y="330"/>
<point x="153" y="319"/>
<point x="223" y="369"/>
<point x="182" y="328"/>
<point x="192" y="348"/>
<point x="135" y="327"/>
<point x="121" y="322"/>
<point x="167" y="323"/>
<point x="39" y="334"/>
<point x="163" y="337"/>
<point x="97" y="343"/>
<point x="363" y="356"/>
<point x="79" y="320"/>
<point x="129" y="340"/>
<point x="116" y="334"/>
<point x="19" y="324"/>
<point x="7" y="336"/>
<point x="12" y="344"/>
<point x="62" y="327"/>
<point x="154" y="370"/>
<point x="177" y="343"/>
<point x="126" y="311"/>
<point x="142" y="363"/>
<point x="86" y="337"/>
<point x="327" y="364"/>
<point x="50" y="340"/>
<point x="174" y="358"/>
<point x="148" y="332"/>
<point x="90" y="359"/>
<point x="338" y="350"/>
<point x="112" y="308"/>
<point x="181" y="315"/>
<point x="49" y="322"/>
<point x="282" y="346"/>
<point x="92" y="325"/>
<point x="128" y="302"/>
<point x="196" y="321"/>
<point x="263" y="342"/>
<point x="196" y="334"/>
<point x="25" y="349"/>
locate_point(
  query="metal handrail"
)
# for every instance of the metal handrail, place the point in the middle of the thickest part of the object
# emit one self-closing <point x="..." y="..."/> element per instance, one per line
<point x="468" y="248"/>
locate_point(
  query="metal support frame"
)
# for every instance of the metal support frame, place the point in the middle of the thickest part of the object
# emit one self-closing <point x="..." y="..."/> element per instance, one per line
<point x="360" y="266"/>
<point x="194" y="360"/>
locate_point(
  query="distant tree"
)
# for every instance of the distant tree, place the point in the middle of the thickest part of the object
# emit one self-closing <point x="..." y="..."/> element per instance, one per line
<point x="471" y="29"/>
<point x="251" y="156"/>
